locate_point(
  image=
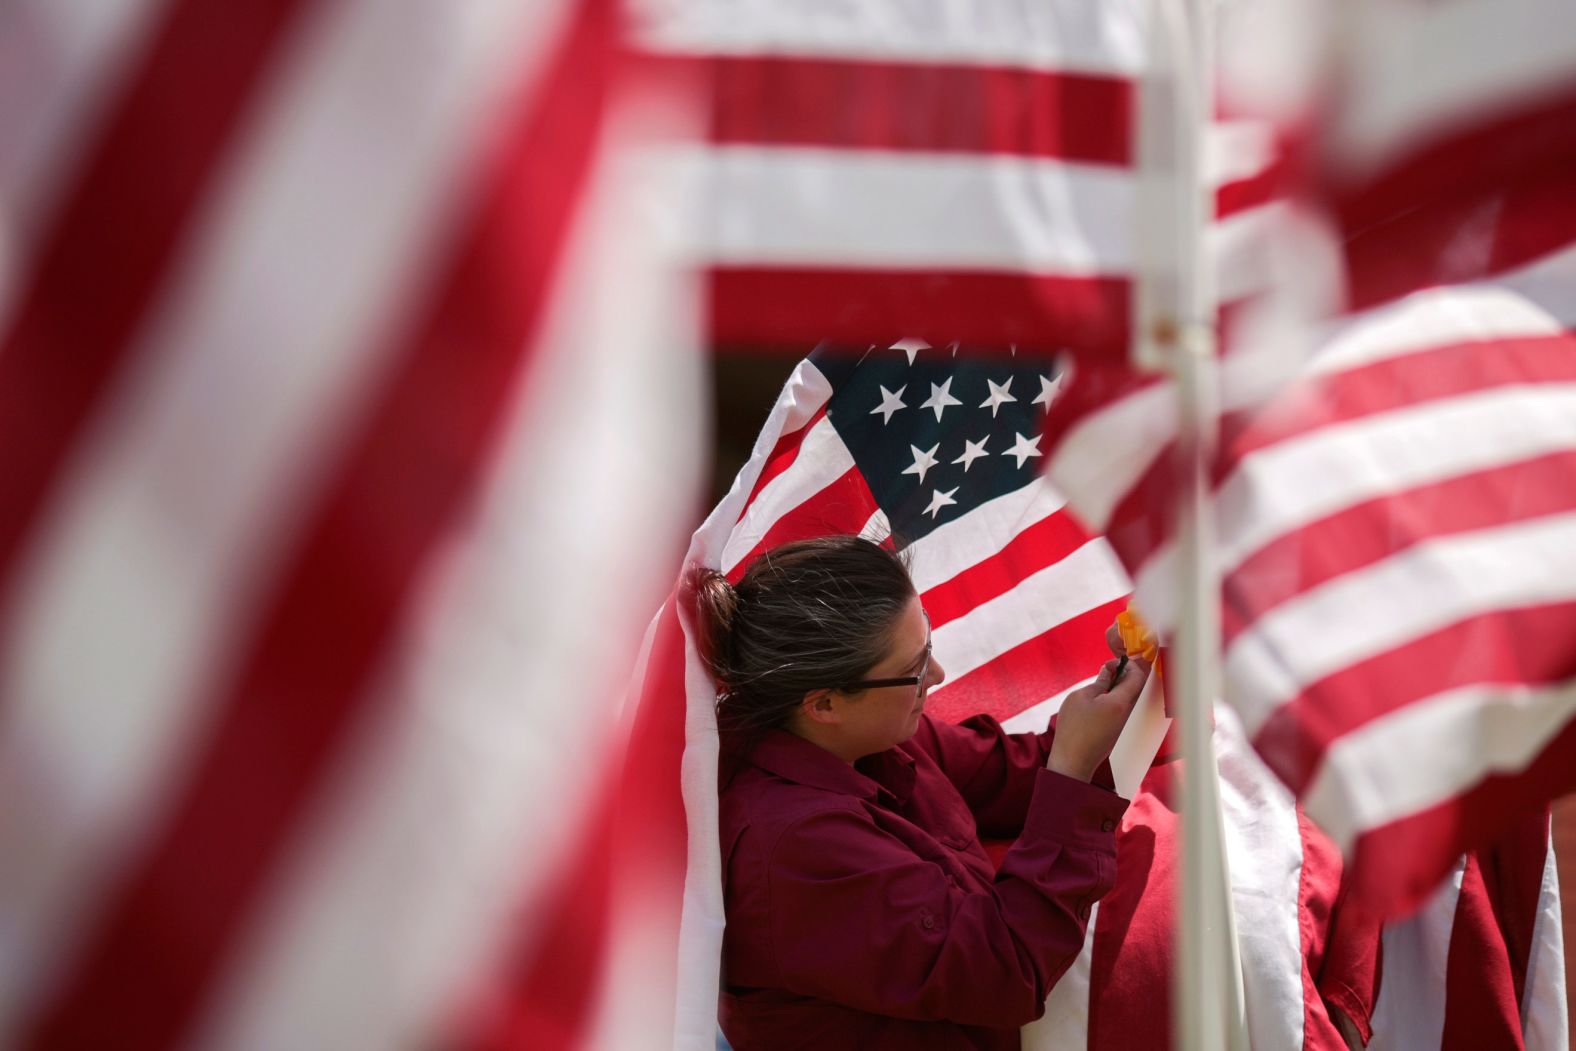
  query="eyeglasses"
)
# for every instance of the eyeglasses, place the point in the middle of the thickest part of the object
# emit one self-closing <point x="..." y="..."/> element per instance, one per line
<point x="901" y="680"/>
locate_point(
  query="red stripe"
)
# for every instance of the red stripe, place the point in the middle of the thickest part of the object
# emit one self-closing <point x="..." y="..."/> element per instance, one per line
<point x="100" y="266"/>
<point x="1340" y="952"/>
<point x="1470" y="164"/>
<point x="1480" y="1005"/>
<point x="1141" y="520"/>
<point x="1359" y="536"/>
<point x="843" y="506"/>
<point x="1130" y="979"/>
<point x="1406" y="380"/>
<point x="1030" y="672"/>
<point x="1397" y="866"/>
<point x="1531" y="645"/>
<point x="799" y="307"/>
<point x="1491" y="938"/>
<point x="280" y="725"/>
<point x="1257" y="190"/>
<point x="1140" y="517"/>
<point x="1463" y="238"/>
<point x="1042" y="544"/>
<point x="776" y="100"/>
<point x="651" y="831"/>
<point x="782" y="457"/>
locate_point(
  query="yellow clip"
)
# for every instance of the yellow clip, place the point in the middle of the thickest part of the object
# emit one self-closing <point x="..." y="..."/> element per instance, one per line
<point x="1137" y="639"/>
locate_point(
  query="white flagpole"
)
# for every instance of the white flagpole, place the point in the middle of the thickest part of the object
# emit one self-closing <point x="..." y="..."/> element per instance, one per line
<point x="1174" y="329"/>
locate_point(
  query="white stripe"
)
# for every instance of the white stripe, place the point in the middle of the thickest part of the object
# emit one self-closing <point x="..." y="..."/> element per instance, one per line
<point x="492" y="723"/>
<point x="1535" y="300"/>
<point x="1065" y="1023"/>
<point x="64" y="62"/>
<point x="1264" y="854"/>
<point x="190" y="482"/>
<point x="1414" y="73"/>
<point x="964" y="542"/>
<point x="1410" y="1014"/>
<point x="802" y="396"/>
<point x="1038" y="34"/>
<point x="1087" y="578"/>
<point x="1140" y="740"/>
<point x="1102" y="457"/>
<point x="1467" y="733"/>
<point x="803" y="206"/>
<point x="700" y="935"/>
<point x="1544" y="1011"/>
<point x="1386" y="605"/>
<point x="1237" y="150"/>
<point x="1284" y="487"/>
<point x="1241" y="245"/>
<point x="822" y="459"/>
<point x="877" y="527"/>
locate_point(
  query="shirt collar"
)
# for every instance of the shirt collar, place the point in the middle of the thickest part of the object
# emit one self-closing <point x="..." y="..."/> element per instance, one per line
<point x="888" y="774"/>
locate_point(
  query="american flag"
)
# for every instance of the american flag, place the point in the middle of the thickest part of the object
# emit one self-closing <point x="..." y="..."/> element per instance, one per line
<point x="942" y="452"/>
<point x="301" y="379"/>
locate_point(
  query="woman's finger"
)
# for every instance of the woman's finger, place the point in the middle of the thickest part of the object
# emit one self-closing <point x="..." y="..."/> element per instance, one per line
<point x="1113" y="639"/>
<point x="1131" y="684"/>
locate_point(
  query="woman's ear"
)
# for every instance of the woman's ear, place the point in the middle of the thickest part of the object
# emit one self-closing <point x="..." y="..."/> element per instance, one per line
<point x="817" y="707"/>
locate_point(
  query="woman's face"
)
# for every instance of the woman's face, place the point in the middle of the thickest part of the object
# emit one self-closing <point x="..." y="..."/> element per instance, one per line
<point x="880" y="717"/>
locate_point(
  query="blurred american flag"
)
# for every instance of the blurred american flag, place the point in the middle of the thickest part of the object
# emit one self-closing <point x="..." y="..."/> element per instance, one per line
<point x="314" y="595"/>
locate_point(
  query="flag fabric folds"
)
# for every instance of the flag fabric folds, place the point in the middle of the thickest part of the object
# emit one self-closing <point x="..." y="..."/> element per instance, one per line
<point x="1393" y="511"/>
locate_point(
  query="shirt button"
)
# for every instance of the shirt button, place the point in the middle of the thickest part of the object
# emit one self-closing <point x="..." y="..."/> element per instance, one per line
<point x="1107" y="825"/>
<point x="929" y="923"/>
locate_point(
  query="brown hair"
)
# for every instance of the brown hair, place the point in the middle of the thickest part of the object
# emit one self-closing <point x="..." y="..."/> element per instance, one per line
<point x="806" y="615"/>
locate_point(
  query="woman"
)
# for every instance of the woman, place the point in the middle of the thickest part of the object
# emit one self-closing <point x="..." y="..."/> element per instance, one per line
<point x="862" y="910"/>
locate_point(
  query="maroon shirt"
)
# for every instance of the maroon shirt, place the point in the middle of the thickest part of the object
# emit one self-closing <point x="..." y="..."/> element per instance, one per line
<point x="862" y="910"/>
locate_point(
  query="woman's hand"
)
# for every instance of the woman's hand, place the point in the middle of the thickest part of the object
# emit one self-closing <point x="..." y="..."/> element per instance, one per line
<point x="1091" y="719"/>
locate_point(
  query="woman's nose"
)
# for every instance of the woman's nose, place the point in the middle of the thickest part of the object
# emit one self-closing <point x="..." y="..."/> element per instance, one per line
<point x="936" y="675"/>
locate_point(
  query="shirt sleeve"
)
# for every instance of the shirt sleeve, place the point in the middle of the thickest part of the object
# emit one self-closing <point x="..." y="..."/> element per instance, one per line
<point x="858" y="918"/>
<point x="994" y="771"/>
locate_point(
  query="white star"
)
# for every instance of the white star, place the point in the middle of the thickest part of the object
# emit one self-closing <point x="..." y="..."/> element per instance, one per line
<point x="910" y="347"/>
<point x="998" y="396"/>
<point x="890" y="403"/>
<point x="1049" y="389"/>
<point x="971" y="451"/>
<point x="939" y="499"/>
<point x="1023" y="447"/>
<point x="923" y="461"/>
<point x="940" y="398"/>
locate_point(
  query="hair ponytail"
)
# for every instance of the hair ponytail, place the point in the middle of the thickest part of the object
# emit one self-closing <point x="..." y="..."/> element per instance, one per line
<point x="807" y="615"/>
<point x="715" y="604"/>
